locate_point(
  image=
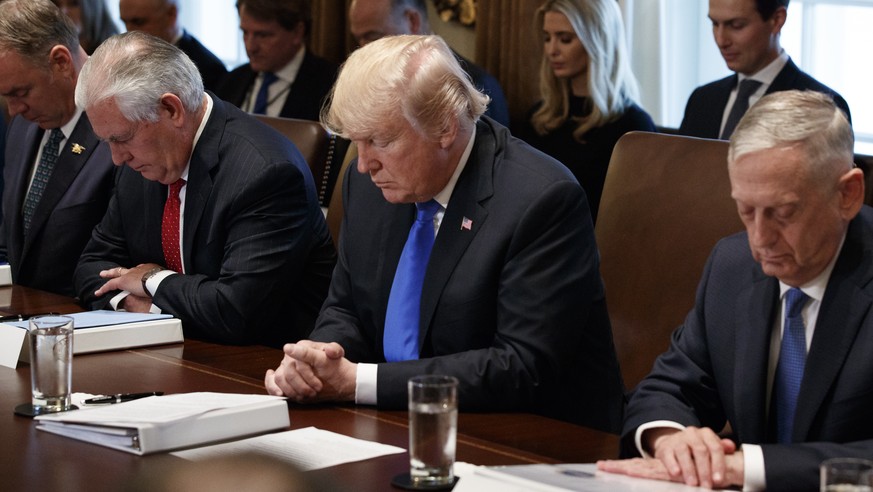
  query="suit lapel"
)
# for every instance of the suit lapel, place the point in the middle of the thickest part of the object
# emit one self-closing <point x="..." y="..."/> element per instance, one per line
<point x="755" y="308"/>
<point x="474" y="187"/>
<point x="785" y="79"/>
<point x="19" y="183"/>
<point x="842" y="311"/>
<point x="299" y="90"/>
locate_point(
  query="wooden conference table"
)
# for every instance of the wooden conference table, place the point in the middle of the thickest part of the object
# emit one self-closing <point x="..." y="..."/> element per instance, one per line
<point x="32" y="460"/>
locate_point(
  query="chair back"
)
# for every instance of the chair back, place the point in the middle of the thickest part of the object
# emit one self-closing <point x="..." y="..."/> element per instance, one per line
<point x="666" y="202"/>
<point x="335" y="208"/>
<point x="319" y="147"/>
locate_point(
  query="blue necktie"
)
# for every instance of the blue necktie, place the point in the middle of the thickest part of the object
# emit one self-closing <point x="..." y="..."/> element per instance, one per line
<point x="404" y="304"/>
<point x="44" y="169"/>
<point x="263" y="93"/>
<point x="792" y="359"/>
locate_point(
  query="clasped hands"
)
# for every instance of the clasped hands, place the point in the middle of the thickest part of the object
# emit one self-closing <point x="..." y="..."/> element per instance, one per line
<point x="313" y="371"/>
<point x="130" y="280"/>
<point x="694" y="456"/>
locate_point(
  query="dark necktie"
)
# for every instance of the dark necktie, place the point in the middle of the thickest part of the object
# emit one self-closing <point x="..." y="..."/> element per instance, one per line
<point x="792" y="360"/>
<point x="263" y="93"/>
<point x="170" y="228"/>
<point x="44" y="169"/>
<point x="404" y="304"/>
<point x="741" y="104"/>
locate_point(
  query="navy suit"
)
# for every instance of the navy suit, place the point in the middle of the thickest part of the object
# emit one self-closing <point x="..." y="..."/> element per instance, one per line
<point x="311" y="86"/>
<point x="715" y="370"/>
<point x="705" y="109"/>
<point x="497" y="110"/>
<point x="74" y="201"/>
<point x="256" y="250"/>
<point x="211" y="68"/>
<point x="512" y="305"/>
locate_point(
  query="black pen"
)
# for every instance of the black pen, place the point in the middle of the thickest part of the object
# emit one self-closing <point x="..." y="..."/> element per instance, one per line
<point x="121" y="397"/>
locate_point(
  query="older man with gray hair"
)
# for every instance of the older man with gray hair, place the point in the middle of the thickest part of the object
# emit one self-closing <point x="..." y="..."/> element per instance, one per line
<point x="778" y="344"/>
<point x="58" y="177"/>
<point x="215" y="218"/>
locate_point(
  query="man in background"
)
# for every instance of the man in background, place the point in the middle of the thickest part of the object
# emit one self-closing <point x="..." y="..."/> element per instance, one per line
<point x="58" y="176"/>
<point x="282" y="77"/>
<point x="747" y="34"/>
<point x="463" y="252"/>
<point x="778" y="344"/>
<point x="160" y="18"/>
<point x="215" y="218"/>
<point x="370" y="20"/>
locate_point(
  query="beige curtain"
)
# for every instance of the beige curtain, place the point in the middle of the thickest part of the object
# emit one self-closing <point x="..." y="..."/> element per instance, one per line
<point x="508" y="47"/>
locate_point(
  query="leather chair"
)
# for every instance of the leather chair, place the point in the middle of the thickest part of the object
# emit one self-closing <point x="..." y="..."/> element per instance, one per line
<point x="335" y="208"/>
<point x="666" y="202"/>
<point x="322" y="150"/>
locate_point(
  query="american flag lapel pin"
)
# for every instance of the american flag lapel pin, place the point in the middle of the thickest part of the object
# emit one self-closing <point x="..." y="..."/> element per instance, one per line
<point x="466" y="224"/>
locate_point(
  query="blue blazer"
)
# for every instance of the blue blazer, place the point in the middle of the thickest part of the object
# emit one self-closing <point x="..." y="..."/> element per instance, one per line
<point x="513" y="305"/>
<point x="211" y="68"/>
<point x="715" y="371"/>
<point x="706" y="105"/>
<point x="75" y="200"/>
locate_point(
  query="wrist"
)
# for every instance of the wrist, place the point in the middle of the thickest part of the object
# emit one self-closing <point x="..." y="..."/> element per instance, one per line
<point x="146" y="276"/>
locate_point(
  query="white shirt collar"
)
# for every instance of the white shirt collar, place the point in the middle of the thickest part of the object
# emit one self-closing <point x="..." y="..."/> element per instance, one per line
<point x="443" y="196"/>
<point x="815" y="288"/>
<point x="206" y="114"/>
<point x="768" y="74"/>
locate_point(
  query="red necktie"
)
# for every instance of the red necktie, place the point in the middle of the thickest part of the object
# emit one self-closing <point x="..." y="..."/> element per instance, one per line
<point x="170" y="228"/>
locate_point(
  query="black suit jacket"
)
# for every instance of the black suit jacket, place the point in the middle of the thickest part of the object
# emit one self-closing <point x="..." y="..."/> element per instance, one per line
<point x="706" y="105"/>
<point x="211" y="68"/>
<point x="310" y="87"/>
<point x="715" y="370"/>
<point x="513" y="306"/>
<point x="497" y="110"/>
<point x="256" y="250"/>
<point x="74" y="201"/>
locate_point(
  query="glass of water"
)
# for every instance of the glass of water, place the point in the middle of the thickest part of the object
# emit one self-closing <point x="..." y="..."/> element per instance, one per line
<point x="847" y="475"/>
<point x="433" y="427"/>
<point x="51" y="361"/>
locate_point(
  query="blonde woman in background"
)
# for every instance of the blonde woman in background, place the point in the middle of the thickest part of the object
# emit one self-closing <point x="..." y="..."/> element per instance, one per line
<point x="587" y="90"/>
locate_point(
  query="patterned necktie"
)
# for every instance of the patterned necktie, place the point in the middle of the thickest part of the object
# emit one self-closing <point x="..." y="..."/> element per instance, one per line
<point x="741" y="104"/>
<point x="792" y="360"/>
<point x="263" y="93"/>
<point x="170" y="228"/>
<point x="404" y="304"/>
<point x="44" y="170"/>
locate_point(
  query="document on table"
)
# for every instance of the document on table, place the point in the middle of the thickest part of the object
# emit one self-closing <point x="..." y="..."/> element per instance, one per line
<point x="308" y="448"/>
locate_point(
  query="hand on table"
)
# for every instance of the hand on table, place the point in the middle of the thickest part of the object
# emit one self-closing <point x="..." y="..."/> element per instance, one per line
<point x="129" y="279"/>
<point x="313" y="371"/>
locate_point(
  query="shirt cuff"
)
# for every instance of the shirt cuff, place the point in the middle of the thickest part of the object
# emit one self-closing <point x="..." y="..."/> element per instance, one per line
<point x="754" y="475"/>
<point x="638" y="437"/>
<point x="365" y="384"/>
<point x="155" y="281"/>
<point x="115" y="301"/>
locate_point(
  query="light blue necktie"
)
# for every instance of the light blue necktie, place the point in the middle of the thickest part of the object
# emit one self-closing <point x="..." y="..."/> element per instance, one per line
<point x="261" y="101"/>
<point x="404" y="304"/>
<point x="44" y="169"/>
<point x="792" y="360"/>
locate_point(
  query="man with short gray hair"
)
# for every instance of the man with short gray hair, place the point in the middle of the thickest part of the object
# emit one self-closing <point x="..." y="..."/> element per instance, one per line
<point x="58" y="177"/>
<point x="215" y="218"/>
<point x="777" y="347"/>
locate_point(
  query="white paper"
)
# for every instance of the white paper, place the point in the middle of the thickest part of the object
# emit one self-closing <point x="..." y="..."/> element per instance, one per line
<point x="308" y="448"/>
<point x="159" y="409"/>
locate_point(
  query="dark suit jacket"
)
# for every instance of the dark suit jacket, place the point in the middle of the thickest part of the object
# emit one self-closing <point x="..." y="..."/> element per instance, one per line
<point x="497" y="110"/>
<point x="211" y="68"/>
<point x="75" y="200"/>
<point x="310" y="87"/>
<point x="705" y="108"/>
<point x="513" y="307"/>
<point x="256" y="250"/>
<point x="716" y="368"/>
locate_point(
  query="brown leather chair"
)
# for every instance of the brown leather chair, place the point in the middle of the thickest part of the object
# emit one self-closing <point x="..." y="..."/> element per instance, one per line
<point x="335" y="208"/>
<point x="322" y="150"/>
<point x="665" y="204"/>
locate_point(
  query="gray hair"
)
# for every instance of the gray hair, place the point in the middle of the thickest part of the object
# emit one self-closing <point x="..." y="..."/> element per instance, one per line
<point x="137" y="69"/>
<point x="414" y="77"/>
<point x="805" y="119"/>
<point x="31" y="28"/>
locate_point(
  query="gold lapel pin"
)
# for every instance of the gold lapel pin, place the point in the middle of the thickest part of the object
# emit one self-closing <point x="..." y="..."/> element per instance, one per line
<point x="77" y="149"/>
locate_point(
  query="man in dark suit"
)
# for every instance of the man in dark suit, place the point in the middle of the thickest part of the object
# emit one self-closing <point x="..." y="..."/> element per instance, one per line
<point x="161" y="18"/>
<point x="747" y="34"/>
<point x="58" y="176"/>
<point x="370" y="20"/>
<point x="282" y="77"/>
<point x="778" y="344"/>
<point x="510" y="300"/>
<point x="215" y="218"/>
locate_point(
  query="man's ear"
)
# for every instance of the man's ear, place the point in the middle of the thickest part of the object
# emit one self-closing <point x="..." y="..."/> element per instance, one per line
<point x="172" y="106"/>
<point x="61" y="61"/>
<point x="851" y="191"/>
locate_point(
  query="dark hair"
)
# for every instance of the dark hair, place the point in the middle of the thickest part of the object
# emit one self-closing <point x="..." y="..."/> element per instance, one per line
<point x="288" y="13"/>
<point x="767" y="7"/>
